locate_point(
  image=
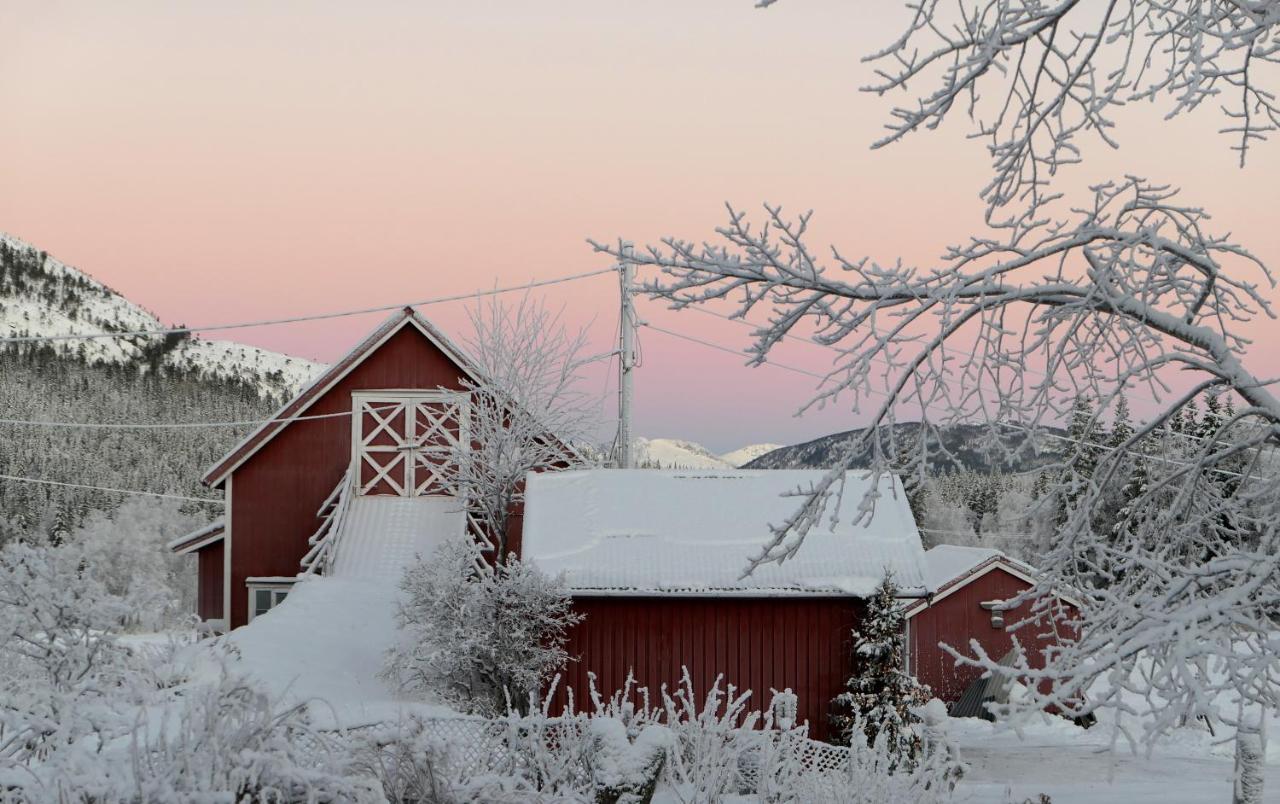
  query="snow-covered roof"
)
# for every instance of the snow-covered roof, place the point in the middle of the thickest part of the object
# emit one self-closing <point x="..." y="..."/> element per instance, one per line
<point x="201" y="537"/>
<point x="648" y="531"/>
<point x="947" y="562"/>
<point x="950" y="567"/>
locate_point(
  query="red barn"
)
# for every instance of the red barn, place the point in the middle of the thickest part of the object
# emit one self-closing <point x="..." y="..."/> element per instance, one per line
<point x="655" y="559"/>
<point x="970" y="586"/>
<point x="402" y="389"/>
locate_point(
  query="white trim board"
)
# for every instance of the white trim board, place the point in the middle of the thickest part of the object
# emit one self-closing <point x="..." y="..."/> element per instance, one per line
<point x="992" y="564"/>
<point x="226" y="554"/>
<point x="200" y="545"/>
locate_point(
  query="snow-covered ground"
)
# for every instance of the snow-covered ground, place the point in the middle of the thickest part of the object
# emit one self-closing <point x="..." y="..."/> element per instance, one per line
<point x="326" y="643"/>
<point x="1072" y="765"/>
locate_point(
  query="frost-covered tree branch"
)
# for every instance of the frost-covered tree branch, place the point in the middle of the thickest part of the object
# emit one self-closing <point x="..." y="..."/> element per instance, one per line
<point x="1033" y="76"/>
<point x="1133" y="291"/>
<point x="527" y="413"/>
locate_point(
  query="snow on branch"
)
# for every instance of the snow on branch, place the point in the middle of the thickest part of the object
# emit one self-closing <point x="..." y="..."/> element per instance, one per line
<point x="1033" y="76"/>
<point x="1131" y="291"/>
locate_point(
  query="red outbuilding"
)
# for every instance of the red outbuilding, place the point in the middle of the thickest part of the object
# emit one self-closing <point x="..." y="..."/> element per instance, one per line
<point x="655" y="559"/>
<point x="971" y="586"/>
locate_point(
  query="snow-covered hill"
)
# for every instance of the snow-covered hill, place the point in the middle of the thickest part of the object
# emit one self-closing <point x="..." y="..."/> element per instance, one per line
<point x="677" y="453"/>
<point x="745" y="455"/>
<point x="964" y="448"/>
<point x="41" y="296"/>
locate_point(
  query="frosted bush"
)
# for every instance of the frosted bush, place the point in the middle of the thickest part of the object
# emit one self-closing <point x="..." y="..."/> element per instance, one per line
<point x="474" y="634"/>
<point x="125" y="550"/>
<point x="711" y="739"/>
<point x="61" y="661"/>
<point x="408" y="761"/>
<point x="625" y="769"/>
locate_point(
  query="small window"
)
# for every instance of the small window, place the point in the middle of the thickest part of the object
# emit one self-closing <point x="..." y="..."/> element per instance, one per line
<point x="265" y="598"/>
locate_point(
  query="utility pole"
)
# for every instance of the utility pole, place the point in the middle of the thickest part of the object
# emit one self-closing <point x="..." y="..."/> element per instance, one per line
<point x="626" y="363"/>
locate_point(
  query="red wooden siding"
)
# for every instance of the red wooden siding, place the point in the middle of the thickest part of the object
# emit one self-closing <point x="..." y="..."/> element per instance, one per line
<point x="275" y="494"/>
<point x="758" y="644"/>
<point x="958" y="618"/>
<point x="209" y="576"/>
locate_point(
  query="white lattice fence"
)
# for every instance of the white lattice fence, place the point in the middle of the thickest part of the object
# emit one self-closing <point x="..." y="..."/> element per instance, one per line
<point x="476" y="746"/>
<point x="808" y="756"/>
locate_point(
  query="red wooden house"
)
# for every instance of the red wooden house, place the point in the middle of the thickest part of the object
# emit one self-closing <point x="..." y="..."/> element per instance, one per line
<point x="356" y="449"/>
<point x="970" y="586"/>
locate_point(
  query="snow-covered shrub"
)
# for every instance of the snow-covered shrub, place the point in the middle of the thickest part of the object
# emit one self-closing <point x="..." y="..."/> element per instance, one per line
<point x="625" y="768"/>
<point x="873" y="773"/>
<point x="409" y="761"/>
<point x="712" y="739"/>
<point x="125" y="550"/>
<point x="84" y="717"/>
<point x="223" y="740"/>
<point x="479" y="636"/>
<point x="60" y="661"/>
<point x="231" y="737"/>
<point x="881" y="695"/>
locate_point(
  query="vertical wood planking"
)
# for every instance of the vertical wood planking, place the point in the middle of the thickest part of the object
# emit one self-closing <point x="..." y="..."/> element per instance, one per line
<point x="757" y="644"/>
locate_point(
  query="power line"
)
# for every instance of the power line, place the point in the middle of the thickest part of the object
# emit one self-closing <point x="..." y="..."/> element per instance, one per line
<point x="182" y="425"/>
<point x="165" y="425"/>
<point x="296" y="319"/>
<point x="39" y="482"/>
<point x="727" y="350"/>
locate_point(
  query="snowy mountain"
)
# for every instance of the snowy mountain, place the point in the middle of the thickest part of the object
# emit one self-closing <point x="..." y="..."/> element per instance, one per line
<point x="745" y="455"/>
<point x="965" y="443"/>
<point x="674" y="453"/>
<point x="677" y="453"/>
<point x="41" y="296"/>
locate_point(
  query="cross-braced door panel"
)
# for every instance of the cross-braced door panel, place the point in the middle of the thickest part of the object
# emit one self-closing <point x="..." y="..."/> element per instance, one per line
<point x="405" y="444"/>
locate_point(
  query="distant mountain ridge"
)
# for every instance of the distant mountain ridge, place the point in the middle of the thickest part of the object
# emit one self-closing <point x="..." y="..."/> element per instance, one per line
<point x="40" y="295"/>
<point x="678" y="453"/>
<point x="963" y="442"/>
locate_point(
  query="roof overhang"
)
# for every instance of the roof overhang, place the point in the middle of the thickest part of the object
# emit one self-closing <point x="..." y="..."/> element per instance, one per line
<point x="199" y="539"/>
<point x="297" y="406"/>
<point x="1015" y="568"/>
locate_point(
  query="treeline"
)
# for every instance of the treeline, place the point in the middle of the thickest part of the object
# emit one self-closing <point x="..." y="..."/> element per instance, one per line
<point x="1022" y="512"/>
<point x="37" y="384"/>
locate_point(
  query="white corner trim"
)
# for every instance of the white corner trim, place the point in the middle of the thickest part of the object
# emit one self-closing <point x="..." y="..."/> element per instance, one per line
<point x="227" y="547"/>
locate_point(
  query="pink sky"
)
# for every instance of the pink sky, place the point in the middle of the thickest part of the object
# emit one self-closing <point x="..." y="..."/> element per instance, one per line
<point x="236" y="160"/>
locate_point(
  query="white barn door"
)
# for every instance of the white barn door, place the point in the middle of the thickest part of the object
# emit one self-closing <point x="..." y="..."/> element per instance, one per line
<point x="402" y="440"/>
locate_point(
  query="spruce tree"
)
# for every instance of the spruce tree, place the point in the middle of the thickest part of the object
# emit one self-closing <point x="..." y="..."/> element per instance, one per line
<point x="880" y="694"/>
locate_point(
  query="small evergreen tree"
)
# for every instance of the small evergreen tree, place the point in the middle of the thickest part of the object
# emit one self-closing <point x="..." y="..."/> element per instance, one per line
<point x="881" y="694"/>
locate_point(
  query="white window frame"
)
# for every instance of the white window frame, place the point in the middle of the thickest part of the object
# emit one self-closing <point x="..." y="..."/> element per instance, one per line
<point x="281" y="586"/>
